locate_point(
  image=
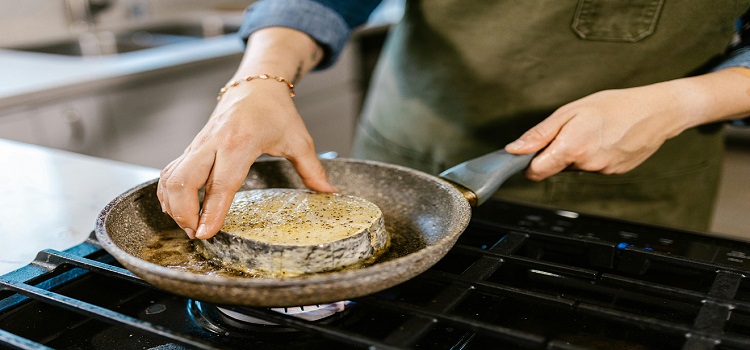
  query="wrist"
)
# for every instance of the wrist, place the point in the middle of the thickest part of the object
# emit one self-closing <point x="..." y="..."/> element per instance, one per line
<point x="259" y="77"/>
<point x="717" y="96"/>
<point x="281" y="52"/>
<point x="691" y="102"/>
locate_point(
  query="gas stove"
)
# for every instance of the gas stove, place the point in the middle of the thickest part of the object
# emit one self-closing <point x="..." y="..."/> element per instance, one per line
<point x="519" y="277"/>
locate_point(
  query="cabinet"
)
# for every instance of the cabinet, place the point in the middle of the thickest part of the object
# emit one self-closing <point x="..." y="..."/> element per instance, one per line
<point x="78" y="125"/>
<point x="154" y="120"/>
<point x="75" y="125"/>
<point x="19" y="125"/>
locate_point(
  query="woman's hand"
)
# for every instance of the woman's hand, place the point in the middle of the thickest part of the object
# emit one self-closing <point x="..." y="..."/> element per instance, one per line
<point x="220" y="156"/>
<point x="614" y="131"/>
<point x="252" y="118"/>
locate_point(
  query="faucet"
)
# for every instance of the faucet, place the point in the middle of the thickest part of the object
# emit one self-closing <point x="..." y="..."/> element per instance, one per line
<point x="82" y="13"/>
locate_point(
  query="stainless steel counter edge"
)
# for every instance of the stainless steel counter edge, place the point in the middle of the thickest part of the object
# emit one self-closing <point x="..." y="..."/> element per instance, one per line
<point x="30" y="78"/>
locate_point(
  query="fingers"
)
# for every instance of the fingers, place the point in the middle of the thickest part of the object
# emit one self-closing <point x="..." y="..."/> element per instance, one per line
<point x="540" y="135"/>
<point x="160" y="191"/>
<point x="311" y="170"/>
<point x="569" y="140"/>
<point x="215" y="207"/>
<point x="179" y="187"/>
<point x="227" y="176"/>
<point x="554" y="158"/>
<point x="230" y="170"/>
<point x="549" y="162"/>
<point x="313" y="174"/>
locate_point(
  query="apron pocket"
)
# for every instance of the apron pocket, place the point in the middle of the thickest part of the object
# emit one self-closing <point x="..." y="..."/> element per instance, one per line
<point x="622" y="21"/>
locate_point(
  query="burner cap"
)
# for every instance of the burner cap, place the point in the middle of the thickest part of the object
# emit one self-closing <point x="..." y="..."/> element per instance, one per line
<point x="308" y="312"/>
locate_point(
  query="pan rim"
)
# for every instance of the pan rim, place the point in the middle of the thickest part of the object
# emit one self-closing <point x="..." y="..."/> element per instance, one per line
<point x="126" y="258"/>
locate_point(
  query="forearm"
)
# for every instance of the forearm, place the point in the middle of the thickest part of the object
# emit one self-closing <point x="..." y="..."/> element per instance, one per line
<point x="718" y="96"/>
<point x="279" y="51"/>
<point x="328" y="22"/>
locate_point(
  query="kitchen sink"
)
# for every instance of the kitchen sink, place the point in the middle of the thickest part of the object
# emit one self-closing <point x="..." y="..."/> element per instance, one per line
<point x="103" y="43"/>
<point x="106" y="43"/>
<point x="205" y="29"/>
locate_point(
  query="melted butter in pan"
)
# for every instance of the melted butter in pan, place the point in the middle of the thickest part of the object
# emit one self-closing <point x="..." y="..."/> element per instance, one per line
<point x="173" y="249"/>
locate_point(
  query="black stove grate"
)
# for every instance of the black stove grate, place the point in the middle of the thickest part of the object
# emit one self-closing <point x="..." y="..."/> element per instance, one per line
<point x="535" y="279"/>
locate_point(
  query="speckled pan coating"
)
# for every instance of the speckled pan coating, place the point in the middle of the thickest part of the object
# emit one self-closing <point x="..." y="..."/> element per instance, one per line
<point x="425" y="214"/>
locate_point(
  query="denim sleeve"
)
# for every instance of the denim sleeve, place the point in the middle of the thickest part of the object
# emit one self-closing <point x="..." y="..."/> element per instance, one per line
<point x="328" y="22"/>
<point x="740" y="55"/>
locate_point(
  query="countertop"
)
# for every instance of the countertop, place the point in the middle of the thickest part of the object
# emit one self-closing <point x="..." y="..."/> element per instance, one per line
<point x="51" y="198"/>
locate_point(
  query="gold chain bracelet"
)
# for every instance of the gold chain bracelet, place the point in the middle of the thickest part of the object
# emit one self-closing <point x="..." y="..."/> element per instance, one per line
<point x="262" y="77"/>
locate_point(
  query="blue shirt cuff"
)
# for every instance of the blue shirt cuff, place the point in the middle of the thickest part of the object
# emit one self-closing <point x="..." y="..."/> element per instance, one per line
<point x="321" y="23"/>
<point x="739" y="58"/>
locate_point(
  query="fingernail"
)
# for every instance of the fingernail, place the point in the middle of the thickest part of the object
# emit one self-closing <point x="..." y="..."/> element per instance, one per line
<point x="516" y="144"/>
<point x="163" y="208"/>
<point x="190" y="232"/>
<point x="202" y="232"/>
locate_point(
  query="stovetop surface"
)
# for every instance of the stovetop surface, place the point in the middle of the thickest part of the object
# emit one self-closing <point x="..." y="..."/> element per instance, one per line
<point x="519" y="277"/>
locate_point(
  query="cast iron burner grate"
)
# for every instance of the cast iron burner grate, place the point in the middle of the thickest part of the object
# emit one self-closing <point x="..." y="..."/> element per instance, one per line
<point x="519" y="277"/>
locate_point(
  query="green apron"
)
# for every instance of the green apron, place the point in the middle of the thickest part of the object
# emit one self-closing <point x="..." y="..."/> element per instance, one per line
<point x="459" y="78"/>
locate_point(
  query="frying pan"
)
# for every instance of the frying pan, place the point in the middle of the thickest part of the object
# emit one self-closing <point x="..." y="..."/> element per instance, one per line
<point x="425" y="215"/>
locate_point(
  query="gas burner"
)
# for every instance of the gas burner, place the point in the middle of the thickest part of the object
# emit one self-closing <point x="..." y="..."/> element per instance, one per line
<point x="221" y="320"/>
<point x="524" y="279"/>
<point x="308" y="312"/>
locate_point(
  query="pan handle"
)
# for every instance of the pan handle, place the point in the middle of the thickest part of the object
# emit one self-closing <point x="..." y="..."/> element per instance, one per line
<point x="482" y="176"/>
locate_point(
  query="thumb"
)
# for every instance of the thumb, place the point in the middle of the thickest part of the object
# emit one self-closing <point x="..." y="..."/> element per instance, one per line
<point x="313" y="174"/>
<point x="538" y="137"/>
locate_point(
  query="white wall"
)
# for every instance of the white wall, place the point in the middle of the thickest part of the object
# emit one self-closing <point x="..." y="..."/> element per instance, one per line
<point x="30" y="20"/>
